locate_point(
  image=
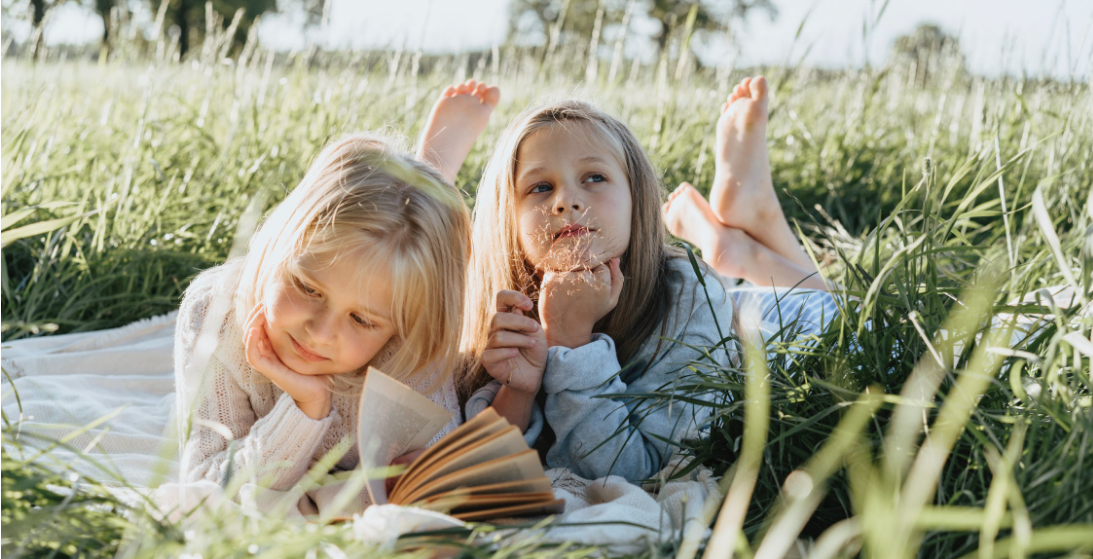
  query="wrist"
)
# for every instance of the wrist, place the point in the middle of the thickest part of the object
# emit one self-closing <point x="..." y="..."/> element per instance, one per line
<point x="315" y="410"/>
<point x="568" y="336"/>
<point x="516" y="394"/>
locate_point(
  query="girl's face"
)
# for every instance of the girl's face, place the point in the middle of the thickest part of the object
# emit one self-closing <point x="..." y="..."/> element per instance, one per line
<point x="329" y="319"/>
<point x="573" y="200"/>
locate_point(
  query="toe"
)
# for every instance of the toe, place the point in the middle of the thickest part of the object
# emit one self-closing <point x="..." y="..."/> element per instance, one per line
<point x="448" y="91"/>
<point x="492" y="96"/>
<point x="758" y="87"/>
<point x="479" y="89"/>
<point x="471" y="84"/>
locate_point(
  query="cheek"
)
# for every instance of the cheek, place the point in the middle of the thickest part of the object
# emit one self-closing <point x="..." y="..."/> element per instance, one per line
<point x="363" y="348"/>
<point x="284" y="307"/>
<point x="532" y="235"/>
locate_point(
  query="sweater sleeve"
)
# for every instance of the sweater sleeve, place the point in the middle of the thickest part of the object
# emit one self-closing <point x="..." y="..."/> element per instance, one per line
<point x="221" y="433"/>
<point x="483" y="398"/>
<point x="600" y="431"/>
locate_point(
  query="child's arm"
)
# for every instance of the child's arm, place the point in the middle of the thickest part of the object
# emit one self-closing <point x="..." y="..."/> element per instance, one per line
<point x="599" y="430"/>
<point x="458" y="119"/>
<point x="214" y="406"/>
<point x="515" y="356"/>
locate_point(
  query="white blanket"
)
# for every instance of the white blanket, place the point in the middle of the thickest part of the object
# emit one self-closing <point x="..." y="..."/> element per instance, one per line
<point x="65" y="383"/>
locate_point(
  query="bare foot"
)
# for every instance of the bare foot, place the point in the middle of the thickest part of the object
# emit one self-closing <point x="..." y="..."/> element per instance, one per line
<point x="458" y="118"/>
<point x="743" y="192"/>
<point x="730" y="251"/>
<point x="689" y="217"/>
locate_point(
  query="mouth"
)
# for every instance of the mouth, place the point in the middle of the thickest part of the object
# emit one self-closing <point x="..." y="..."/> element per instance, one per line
<point x="571" y="231"/>
<point x="306" y="353"/>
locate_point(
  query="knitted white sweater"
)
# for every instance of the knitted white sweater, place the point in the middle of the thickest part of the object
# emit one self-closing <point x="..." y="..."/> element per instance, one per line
<point x="217" y="389"/>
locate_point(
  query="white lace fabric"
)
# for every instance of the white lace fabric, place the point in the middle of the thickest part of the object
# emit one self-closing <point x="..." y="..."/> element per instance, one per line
<point x="219" y="394"/>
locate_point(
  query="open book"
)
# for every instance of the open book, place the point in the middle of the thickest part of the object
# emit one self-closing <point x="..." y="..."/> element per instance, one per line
<point x="483" y="469"/>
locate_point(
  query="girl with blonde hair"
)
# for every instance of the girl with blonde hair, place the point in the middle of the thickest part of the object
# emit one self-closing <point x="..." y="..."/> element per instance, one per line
<point x="362" y="264"/>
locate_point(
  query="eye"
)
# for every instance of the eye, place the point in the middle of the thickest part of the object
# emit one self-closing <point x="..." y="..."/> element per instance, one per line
<point x="540" y="188"/>
<point x="363" y="322"/>
<point x="305" y="288"/>
<point x="595" y="177"/>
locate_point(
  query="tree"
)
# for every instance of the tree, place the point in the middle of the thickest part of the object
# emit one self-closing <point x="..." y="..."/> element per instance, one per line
<point x="103" y="8"/>
<point x="927" y="49"/>
<point x="532" y="20"/>
<point x="189" y="17"/>
<point x="710" y="16"/>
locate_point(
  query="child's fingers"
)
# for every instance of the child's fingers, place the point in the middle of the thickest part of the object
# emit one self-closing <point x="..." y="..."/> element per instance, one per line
<point x="514" y="322"/>
<point x="507" y="300"/>
<point x="492" y="357"/>
<point x="504" y="338"/>
<point x="617" y="279"/>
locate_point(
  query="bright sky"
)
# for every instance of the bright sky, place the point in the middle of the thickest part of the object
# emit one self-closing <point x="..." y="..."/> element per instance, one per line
<point x="998" y="36"/>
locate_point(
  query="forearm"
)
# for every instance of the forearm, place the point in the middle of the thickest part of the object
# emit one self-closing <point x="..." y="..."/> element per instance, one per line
<point x="514" y="406"/>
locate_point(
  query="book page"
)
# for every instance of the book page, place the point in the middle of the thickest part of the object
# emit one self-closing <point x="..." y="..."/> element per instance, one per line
<point x="430" y="461"/>
<point x="481" y="426"/>
<point x="524" y="465"/>
<point x="552" y="507"/>
<point x="536" y="485"/>
<point x="506" y="443"/>
<point x="394" y="419"/>
<point x="483" y="502"/>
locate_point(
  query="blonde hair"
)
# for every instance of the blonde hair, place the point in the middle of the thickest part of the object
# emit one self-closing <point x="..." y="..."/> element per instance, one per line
<point x="498" y="262"/>
<point x="360" y="193"/>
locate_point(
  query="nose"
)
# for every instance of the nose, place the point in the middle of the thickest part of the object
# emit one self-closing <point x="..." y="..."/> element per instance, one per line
<point x="567" y="199"/>
<point x="321" y="327"/>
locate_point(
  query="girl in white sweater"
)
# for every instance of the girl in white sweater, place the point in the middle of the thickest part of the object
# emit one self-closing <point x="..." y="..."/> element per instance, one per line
<point x="362" y="264"/>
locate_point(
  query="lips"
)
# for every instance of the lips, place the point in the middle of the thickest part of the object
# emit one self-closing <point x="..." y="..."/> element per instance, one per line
<point x="305" y="353"/>
<point x="571" y="231"/>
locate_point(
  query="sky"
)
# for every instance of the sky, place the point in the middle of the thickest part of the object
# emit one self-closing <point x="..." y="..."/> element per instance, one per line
<point x="998" y="36"/>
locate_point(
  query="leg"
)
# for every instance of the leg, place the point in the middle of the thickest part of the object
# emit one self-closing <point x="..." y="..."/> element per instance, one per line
<point x="743" y="194"/>
<point x="458" y="118"/>
<point x="732" y="252"/>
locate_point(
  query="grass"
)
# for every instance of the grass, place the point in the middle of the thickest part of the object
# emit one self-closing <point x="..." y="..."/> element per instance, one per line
<point x="935" y="207"/>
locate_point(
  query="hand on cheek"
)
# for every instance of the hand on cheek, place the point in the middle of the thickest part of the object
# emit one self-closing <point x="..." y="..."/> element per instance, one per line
<point x="570" y="303"/>
<point x="309" y="392"/>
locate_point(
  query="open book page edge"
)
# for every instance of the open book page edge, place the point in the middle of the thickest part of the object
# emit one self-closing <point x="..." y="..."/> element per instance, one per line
<point x="506" y="442"/>
<point x="526" y="463"/>
<point x="478" y="502"/>
<point x="380" y="394"/>
<point x="556" y="506"/>
<point x="533" y="485"/>
<point x="486" y="417"/>
<point x="429" y="458"/>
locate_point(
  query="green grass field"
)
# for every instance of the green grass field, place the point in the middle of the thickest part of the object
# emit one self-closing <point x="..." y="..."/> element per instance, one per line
<point x="935" y="205"/>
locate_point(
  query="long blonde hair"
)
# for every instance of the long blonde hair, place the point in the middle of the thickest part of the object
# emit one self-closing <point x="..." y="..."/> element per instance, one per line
<point x="498" y="262"/>
<point x="360" y="193"/>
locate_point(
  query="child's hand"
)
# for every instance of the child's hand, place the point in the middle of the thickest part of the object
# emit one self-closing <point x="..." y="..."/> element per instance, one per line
<point x="309" y="392"/>
<point x="570" y="303"/>
<point x="517" y="349"/>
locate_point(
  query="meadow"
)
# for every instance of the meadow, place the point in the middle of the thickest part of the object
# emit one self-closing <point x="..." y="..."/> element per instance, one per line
<point x="936" y="201"/>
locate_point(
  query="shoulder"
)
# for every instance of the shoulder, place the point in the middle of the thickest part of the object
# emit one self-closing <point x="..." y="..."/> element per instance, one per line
<point x="699" y="302"/>
<point x="209" y="295"/>
<point x="692" y="286"/>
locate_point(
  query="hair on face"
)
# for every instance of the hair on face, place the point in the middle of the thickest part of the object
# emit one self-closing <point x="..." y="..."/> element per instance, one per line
<point x="498" y="261"/>
<point x="362" y="197"/>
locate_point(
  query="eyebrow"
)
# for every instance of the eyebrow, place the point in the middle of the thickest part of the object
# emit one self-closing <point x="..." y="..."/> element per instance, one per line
<point x="367" y="310"/>
<point x="541" y="170"/>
